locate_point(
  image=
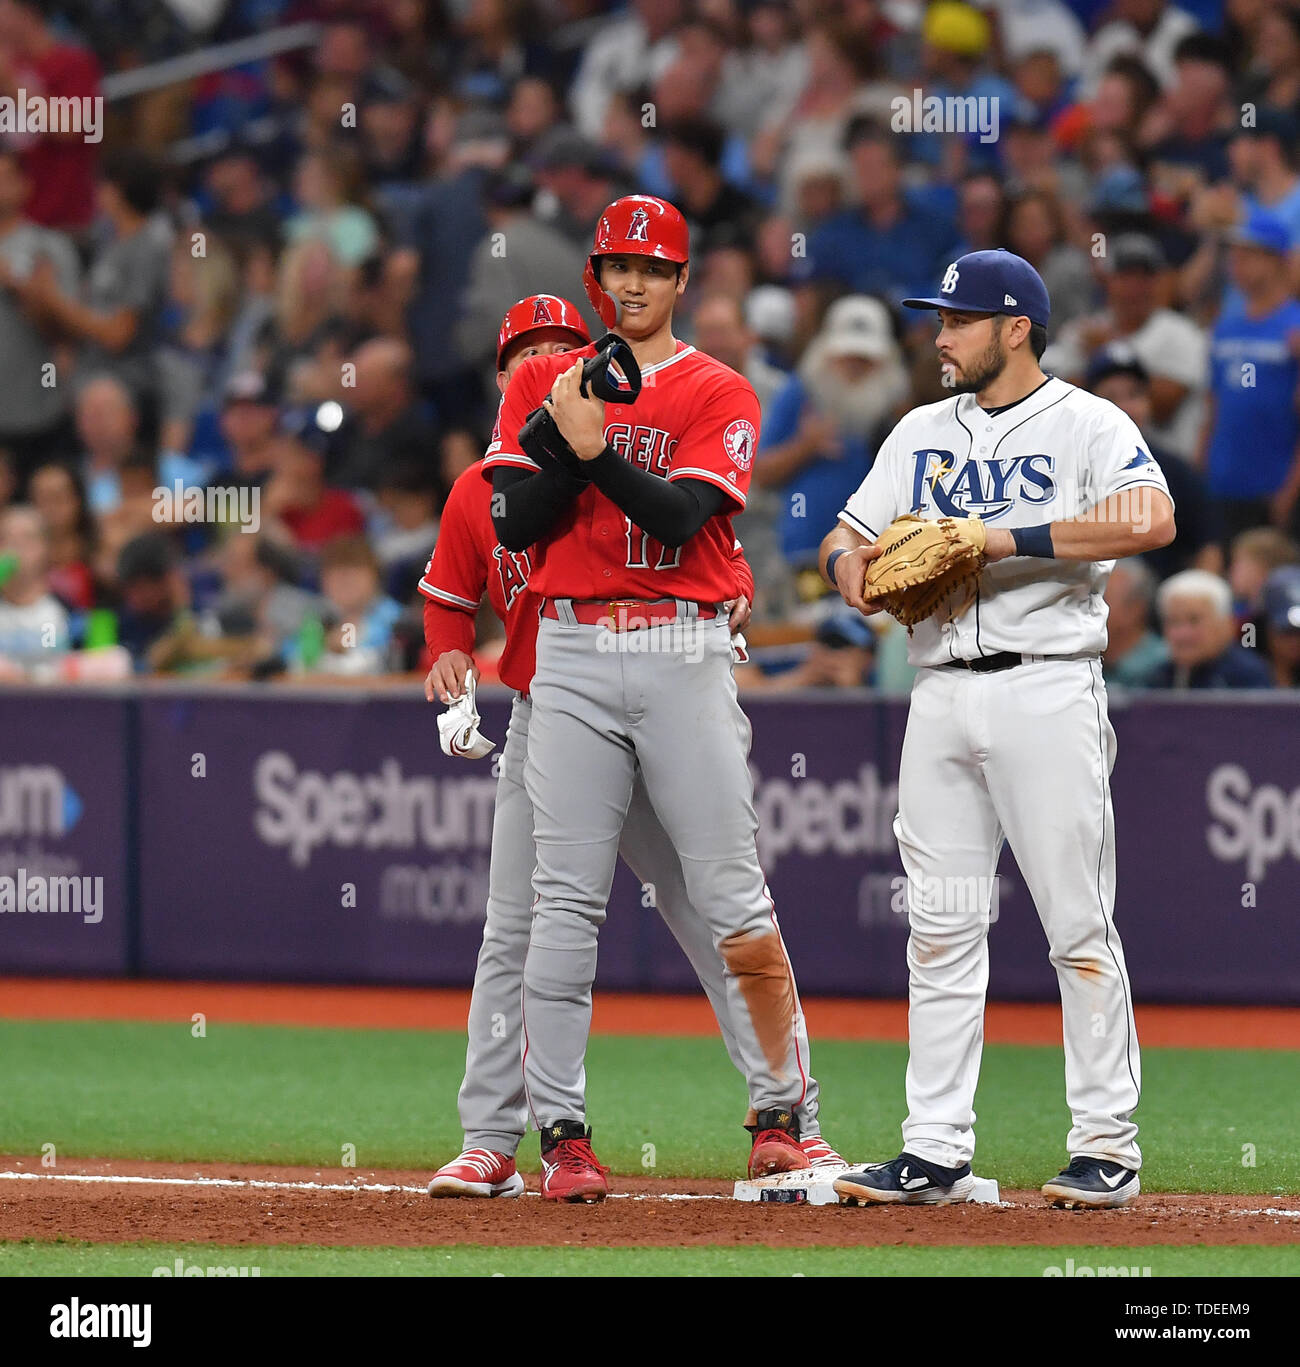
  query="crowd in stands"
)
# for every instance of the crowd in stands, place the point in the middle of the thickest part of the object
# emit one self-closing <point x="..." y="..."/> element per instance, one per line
<point x="280" y="283"/>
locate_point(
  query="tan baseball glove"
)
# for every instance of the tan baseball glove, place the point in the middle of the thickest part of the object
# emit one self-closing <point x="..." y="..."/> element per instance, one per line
<point x="926" y="567"/>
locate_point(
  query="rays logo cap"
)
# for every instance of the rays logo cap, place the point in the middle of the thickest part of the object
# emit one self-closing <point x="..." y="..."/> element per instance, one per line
<point x="996" y="281"/>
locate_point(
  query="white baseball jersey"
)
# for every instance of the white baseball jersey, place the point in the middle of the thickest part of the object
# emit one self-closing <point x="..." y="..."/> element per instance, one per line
<point x="1047" y="458"/>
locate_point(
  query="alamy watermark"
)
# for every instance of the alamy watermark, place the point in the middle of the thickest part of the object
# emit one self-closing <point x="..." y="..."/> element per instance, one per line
<point x="922" y="113"/>
<point x="25" y="114"/>
<point x="238" y="506"/>
<point x="37" y="893"/>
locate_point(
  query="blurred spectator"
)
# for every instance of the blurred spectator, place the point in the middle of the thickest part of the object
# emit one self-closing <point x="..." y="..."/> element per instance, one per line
<point x="1282" y="617"/>
<point x="889" y="245"/>
<point x="60" y="167"/>
<point x="246" y="342"/>
<point x="820" y="437"/>
<point x="1118" y="376"/>
<point x="33" y="623"/>
<point x="1186" y="134"/>
<point x="152" y="591"/>
<point x="250" y="418"/>
<point x="313" y="512"/>
<point x="1133" y="651"/>
<point x="203" y="297"/>
<point x="1250" y="444"/>
<point x="534" y="108"/>
<point x="436" y="255"/>
<point x="33" y="408"/>
<point x="1273" y="74"/>
<point x="1196" y="611"/>
<point x="108" y="424"/>
<point x="1170" y="346"/>
<point x="126" y="285"/>
<point x="1151" y="29"/>
<point x="718" y="213"/>
<point x="536" y="259"/>
<point x="259" y="597"/>
<point x="241" y="207"/>
<point x="361" y="641"/>
<point x="720" y="331"/>
<point x="1035" y="229"/>
<point x="577" y="179"/>
<point x="58" y="496"/>
<point x="386" y="423"/>
<point x="9" y="478"/>
<point x="840" y="656"/>
<point x="772" y="69"/>
<point x="329" y="190"/>
<point x="981" y="215"/>
<point x="410" y="494"/>
<point x="1255" y="555"/>
<point x="631" y="49"/>
<point x="390" y="136"/>
<point x="1262" y="156"/>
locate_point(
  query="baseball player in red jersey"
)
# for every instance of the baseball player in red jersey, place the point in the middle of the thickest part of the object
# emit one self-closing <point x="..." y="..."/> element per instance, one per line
<point x="468" y="560"/>
<point x="633" y="559"/>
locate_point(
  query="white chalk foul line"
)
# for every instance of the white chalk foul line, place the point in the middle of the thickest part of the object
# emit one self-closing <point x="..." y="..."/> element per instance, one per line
<point x="264" y="1184"/>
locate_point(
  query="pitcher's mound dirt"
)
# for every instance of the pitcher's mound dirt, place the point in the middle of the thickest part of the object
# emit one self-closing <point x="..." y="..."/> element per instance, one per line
<point x="116" y="1212"/>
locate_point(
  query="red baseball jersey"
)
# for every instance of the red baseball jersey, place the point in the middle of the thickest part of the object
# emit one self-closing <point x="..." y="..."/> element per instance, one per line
<point x="695" y="418"/>
<point x="465" y="561"/>
<point x="468" y="559"/>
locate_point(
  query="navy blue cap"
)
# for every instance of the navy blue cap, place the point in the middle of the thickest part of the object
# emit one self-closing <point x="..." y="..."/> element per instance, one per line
<point x="995" y="281"/>
<point x="847" y="627"/>
<point x="1116" y="359"/>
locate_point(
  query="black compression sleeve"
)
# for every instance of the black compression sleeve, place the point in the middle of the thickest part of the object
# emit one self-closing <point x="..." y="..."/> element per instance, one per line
<point x="672" y="512"/>
<point x="526" y="503"/>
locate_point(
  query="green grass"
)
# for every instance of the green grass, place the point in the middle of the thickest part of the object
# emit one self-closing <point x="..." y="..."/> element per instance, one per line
<point x="28" y="1259"/>
<point x="279" y="1095"/>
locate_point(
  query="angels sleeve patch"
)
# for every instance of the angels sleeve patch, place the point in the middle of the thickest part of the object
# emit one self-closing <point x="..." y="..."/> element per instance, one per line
<point x="739" y="440"/>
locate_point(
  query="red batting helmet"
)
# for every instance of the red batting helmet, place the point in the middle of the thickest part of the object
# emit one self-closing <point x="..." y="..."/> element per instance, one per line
<point x="636" y="225"/>
<point x="535" y="312"/>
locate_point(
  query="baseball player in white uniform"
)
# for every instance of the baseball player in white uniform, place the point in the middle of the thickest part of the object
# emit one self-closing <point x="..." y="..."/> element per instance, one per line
<point x="1007" y="736"/>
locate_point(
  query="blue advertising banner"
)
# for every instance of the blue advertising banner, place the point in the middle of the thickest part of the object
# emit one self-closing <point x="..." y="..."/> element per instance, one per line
<point x="64" y="832"/>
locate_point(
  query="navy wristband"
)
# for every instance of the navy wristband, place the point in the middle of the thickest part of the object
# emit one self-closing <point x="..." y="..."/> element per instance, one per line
<point x="1034" y="541"/>
<point x="830" y="565"/>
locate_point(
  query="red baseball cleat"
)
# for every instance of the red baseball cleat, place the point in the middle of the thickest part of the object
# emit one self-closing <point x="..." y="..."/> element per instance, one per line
<point x="477" y="1172"/>
<point x="820" y="1154"/>
<point x="776" y="1145"/>
<point x="570" y="1170"/>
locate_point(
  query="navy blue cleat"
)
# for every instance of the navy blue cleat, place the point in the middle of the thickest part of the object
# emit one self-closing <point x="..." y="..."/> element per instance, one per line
<point x="1092" y="1184"/>
<point x="905" y="1181"/>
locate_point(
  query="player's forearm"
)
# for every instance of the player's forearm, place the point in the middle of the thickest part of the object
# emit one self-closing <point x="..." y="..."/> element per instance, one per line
<point x="526" y="506"/>
<point x="671" y="511"/>
<point x="1128" y="523"/>
<point x="839" y="538"/>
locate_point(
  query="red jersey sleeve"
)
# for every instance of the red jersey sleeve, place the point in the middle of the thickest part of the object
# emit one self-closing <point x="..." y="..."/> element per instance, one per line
<point x="744" y="575"/>
<point x="721" y="439"/>
<point x="457" y="572"/>
<point x="527" y="388"/>
<point x="447" y="628"/>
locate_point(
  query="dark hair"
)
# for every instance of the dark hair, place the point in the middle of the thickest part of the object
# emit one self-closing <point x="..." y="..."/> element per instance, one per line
<point x="86" y="527"/>
<point x="136" y="178"/>
<point x="148" y="556"/>
<point x="1146" y="89"/>
<point x="864" y="128"/>
<point x="1038" y="339"/>
<point x="1204" y="47"/>
<point x="409" y="476"/>
<point x="701" y="137"/>
<point x="1049" y="202"/>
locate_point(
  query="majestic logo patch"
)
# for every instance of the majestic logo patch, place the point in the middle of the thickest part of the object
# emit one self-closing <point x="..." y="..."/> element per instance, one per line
<point x="542" y="311"/>
<point x="739" y="440"/>
<point x="638" y="229"/>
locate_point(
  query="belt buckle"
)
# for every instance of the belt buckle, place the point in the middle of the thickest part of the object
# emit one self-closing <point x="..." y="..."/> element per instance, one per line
<point x="614" y="605"/>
